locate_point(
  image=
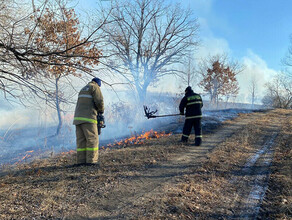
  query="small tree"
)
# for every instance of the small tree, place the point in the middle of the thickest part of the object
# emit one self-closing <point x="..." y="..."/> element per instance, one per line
<point x="59" y="29"/>
<point x="35" y="43"/>
<point x="42" y="45"/>
<point x="219" y="77"/>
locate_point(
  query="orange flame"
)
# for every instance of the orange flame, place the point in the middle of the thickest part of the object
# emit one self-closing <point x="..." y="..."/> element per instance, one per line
<point x="68" y="152"/>
<point x="139" y="139"/>
<point x="26" y="155"/>
<point x="21" y="158"/>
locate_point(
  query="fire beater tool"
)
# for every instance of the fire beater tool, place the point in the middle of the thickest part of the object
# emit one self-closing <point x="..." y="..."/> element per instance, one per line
<point x="151" y="114"/>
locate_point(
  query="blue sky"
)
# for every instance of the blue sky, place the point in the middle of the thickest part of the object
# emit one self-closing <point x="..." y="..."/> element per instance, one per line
<point x="262" y="26"/>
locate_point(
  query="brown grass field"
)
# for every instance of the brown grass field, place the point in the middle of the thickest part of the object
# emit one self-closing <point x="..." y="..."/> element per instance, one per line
<point x="160" y="178"/>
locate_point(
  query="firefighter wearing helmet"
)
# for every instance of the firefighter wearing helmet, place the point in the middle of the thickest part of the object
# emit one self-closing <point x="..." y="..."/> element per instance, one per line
<point x="89" y="106"/>
<point x="193" y="104"/>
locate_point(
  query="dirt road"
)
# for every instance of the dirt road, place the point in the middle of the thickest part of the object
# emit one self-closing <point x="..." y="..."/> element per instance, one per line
<point x="228" y="177"/>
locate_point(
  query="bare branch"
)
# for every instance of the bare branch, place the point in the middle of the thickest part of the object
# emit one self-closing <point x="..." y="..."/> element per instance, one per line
<point x="146" y="37"/>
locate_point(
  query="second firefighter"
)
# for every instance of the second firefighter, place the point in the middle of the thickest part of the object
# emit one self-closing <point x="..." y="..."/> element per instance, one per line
<point x="193" y="104"/>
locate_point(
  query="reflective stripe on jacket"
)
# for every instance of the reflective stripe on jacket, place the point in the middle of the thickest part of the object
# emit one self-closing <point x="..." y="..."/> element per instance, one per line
<point x="193" y="104"/>
<point x="89" y="104"/>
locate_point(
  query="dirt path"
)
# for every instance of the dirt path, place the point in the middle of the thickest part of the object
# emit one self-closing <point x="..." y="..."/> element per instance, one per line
<point x="226" y="177"/>
<point x="254" y="176"/>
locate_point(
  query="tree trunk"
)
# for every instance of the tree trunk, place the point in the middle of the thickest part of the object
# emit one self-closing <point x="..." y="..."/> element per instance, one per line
<point x="213" y="94"/>
<point x="142" y="91"/>
<point x="60" y="124"/>
<point x="227" y="99"/>
<point x="252" y="96"/>
<point x="142" y="94"/>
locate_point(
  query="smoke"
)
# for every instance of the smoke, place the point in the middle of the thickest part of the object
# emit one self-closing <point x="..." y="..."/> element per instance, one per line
<point x="255" y="68"/>
<point x="26" y="129"/>
<point x="126" y="116"/>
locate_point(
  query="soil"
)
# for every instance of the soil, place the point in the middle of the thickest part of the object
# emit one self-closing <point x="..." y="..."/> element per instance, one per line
<point x="241" y="171"/>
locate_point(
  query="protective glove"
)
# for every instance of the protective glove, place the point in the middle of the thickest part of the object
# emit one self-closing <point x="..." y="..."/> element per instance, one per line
<point x="100" y="119"/>
<point x="100" y="122"/>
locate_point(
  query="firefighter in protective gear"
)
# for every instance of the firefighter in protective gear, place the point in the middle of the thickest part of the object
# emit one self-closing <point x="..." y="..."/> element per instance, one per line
<point x="193" y="104"/>
<point x="89" y="105"/>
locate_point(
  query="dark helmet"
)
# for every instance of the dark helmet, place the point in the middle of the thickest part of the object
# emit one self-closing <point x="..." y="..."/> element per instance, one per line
<point x="97" y="80"/>
<point x="188" y="89"/>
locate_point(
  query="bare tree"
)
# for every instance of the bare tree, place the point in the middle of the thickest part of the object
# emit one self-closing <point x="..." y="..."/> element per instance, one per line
<point x="279" y="92"/>
<point x="287" y="60"/>
<point x="253" y="90"/>
<point x="190" y="76"/>
<point x="219" y="76"/>
<point x="146" y="40"/>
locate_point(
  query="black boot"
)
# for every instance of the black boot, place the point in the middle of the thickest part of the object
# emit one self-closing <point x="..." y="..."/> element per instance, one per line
<point x="198" y="141"/>
<point x="183" y="140"/>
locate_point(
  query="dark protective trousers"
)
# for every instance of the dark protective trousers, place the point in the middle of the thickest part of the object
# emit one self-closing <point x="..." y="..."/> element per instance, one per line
<point x="189" y="123"/>
<point x="87" y="143"/>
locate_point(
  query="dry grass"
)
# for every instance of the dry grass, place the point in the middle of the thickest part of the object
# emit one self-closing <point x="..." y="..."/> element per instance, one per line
<point x="208" y="193"/>
<point x="52" y="189"/>
<point x="278" y="202"/>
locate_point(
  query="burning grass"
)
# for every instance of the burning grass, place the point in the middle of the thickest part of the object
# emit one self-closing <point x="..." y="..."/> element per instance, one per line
<point x="138" y="139"/>
<point x="22" y="158"/>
